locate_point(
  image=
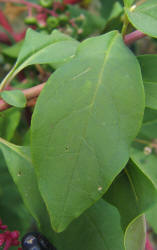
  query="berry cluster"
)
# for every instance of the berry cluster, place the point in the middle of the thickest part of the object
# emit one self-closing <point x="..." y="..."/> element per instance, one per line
<point x="8" y="238"/>
<point x="52" y="15"/>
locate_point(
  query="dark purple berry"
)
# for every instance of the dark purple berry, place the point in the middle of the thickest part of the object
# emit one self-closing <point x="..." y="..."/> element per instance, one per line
<point x="36" y="241"/>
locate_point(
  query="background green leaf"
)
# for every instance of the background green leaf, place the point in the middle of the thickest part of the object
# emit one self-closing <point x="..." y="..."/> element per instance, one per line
<point x="148" y="65"/>
<point x="83" y="131"/>
<point x="9" y="120"/>
<point x="89" y="23"/>
<point x="132" y="192"/>
<point x="128" y="3"/>
<point x="39" y="48"/>
<point x="147" y="162"/>
<point x="12" y="210"/>
<point x="98" y="228"/>
<point x="111" y="9"/>
<point x="14" y="50"/>
<point x="14" y="97"/>
<point x="151" y="216"/>
<point x="144" y="17"/>
<point x="20" y="167"/>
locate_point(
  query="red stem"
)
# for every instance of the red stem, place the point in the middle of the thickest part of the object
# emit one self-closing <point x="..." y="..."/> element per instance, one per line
<point x="133" y="37"/>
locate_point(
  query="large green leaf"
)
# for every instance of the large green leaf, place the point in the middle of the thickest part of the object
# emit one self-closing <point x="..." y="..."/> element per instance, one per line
<point x="149" y="73"/>
<point x="82" y="132"/>
<point x="144" y="17"/>
<point x="39" y="48"/>
<point x="99" y="228"/>
<point x="20" y="167"/>
<point x="133" y="193"/>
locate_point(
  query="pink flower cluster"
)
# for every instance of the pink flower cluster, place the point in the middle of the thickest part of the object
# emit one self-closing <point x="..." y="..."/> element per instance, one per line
<point x="8" y="238"/>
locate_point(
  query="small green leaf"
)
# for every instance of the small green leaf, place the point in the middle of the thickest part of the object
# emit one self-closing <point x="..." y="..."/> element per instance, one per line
<point x="135" y="236"/>
<point x="20" y="167"/>
<point x="39" y="48"/>
<point x="148" y="65"/>
<point x="14" y="97"/>
<point x="144" y="17"/>
<point x="82" y="132"/>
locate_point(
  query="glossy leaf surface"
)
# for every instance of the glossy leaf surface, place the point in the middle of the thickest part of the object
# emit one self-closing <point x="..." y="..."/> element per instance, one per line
<point x="83" y="131"/>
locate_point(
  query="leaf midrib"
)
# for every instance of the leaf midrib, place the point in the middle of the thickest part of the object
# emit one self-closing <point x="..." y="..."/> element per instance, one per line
<point x="91" y="105"/>
<point x="26" y="61"/>
<point x="97" y="229"/>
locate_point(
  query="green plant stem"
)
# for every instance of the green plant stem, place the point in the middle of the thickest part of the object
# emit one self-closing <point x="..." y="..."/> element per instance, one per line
<point x="125" y="25"/>
<point x="142" y="141"/>
<point x="7" y="79"/>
